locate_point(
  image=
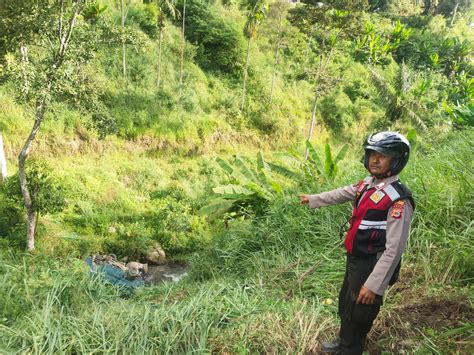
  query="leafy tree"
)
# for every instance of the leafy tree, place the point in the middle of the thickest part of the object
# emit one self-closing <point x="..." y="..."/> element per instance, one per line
<point x="405" y="8"/>
<point x="378" y="5"/>
<point x="44" y="60"/>
<point x="256" y="11"/>
<point x="277" y="23"/>
<point x="218" y="40"/>
<point x="48" y="196"/>
<point x="452" y="7"/>
<point x="124" y="7"/>
<point x="146" y="22"/>
<point x="93" y="11"/>
<point x="400" y="103"/>
<point x="429" y="6"/>
<point x="47" y="193"/>
<point x="329" y="23"/>
<point x="377" y="48"/>
<point x="163" y="6"/>
<point x="146" y="18"/>
<point x="183" y="43"/>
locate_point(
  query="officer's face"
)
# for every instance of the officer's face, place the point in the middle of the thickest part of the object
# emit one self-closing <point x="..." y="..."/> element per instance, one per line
<point x="379" y="164"/>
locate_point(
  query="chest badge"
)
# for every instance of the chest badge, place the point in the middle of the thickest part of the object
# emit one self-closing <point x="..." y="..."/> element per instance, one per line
<point x="377" y="196"/>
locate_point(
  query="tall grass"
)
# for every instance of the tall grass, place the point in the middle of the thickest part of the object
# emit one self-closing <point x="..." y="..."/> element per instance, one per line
<point x="264" y="285"/>
<point x="192" y="318"/>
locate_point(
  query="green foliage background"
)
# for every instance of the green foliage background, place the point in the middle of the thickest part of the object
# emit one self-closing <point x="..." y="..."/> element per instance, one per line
<point x="122" y="164"/>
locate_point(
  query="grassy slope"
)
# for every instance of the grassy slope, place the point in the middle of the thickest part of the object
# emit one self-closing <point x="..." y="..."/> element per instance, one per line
<point x="268" y="285"/>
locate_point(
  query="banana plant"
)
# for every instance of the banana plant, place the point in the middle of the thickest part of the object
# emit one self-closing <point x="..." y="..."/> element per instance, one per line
<point x="251" y="186"/>
<point x="315" y="166"/>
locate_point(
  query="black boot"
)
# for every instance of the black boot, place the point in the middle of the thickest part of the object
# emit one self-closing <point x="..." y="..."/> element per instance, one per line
<point x="330" y="346"/>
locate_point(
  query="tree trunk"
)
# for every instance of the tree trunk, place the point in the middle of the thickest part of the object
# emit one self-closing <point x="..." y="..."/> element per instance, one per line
<point x="321" y="67"/>
<point x="313" y="120"/>
<point x="428" y="7"/>
<point x="277" y="50"/>
<point x="274" y="69"/>
<point x="27" y="198"/>
<point x="245" y="74"/>
<point x="181" y="69"/>
<point x="160" y="41"/>
<point x="124" y="60"/>
<point x="455" y="11"/>
<point x="124" y="13"/>
<point x="3" y="161"/>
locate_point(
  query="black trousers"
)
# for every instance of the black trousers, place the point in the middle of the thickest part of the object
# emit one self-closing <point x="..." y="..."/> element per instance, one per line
<point x="356" y="319"/>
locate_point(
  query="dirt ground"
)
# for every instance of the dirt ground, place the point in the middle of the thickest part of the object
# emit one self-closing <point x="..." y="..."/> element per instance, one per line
<point x="399" y="328"/>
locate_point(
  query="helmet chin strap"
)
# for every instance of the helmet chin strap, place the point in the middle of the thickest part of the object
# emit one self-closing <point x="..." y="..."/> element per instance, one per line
<point x="384" y="176"/>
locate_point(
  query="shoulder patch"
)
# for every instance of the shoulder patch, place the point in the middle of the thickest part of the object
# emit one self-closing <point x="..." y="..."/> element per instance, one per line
<point x="392" y="192"/>
<point x="397" y="209"/>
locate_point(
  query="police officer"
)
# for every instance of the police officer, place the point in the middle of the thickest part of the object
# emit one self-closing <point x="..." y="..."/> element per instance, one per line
<point x="376" y="238"/>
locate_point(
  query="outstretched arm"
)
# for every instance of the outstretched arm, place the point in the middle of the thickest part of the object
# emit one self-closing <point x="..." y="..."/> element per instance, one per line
<point x="334" y="197"/>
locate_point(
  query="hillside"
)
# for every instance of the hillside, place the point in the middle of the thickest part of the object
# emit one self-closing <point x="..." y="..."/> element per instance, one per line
<point x="141" y="129"/>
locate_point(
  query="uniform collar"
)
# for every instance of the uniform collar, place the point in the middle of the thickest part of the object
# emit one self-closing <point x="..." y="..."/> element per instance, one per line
<point x="379" y="184"/>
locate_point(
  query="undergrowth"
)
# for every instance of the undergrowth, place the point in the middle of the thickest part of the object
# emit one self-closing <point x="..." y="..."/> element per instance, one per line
<point x="267" y="284"/>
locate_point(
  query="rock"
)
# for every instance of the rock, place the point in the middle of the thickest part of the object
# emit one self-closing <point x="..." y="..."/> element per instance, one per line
<point x="156" y="255"/>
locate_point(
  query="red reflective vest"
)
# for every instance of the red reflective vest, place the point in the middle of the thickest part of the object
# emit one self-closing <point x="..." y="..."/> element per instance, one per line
<point x="366" y="235"/>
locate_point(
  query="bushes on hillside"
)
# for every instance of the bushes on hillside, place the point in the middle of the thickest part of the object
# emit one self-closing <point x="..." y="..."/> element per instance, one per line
<point x="47" y="193"/>
<point x="146" y="17"/>
<point x="219" y="41"/>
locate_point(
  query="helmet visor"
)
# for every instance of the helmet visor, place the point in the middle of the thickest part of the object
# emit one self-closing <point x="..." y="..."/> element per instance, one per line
<point x="381" y="150"/>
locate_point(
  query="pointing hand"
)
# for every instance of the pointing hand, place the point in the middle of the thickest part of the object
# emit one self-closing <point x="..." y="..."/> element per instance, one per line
<point x="304" y="199"/>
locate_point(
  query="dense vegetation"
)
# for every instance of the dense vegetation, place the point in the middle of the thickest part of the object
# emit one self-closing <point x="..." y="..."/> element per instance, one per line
<point x="200" y="145"/>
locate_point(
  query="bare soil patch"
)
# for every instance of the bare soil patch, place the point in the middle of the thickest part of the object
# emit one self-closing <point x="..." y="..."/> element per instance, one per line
<point x="402" y="326"/>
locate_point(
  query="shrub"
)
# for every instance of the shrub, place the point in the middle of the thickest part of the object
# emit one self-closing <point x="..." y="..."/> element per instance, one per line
<point x="131" y="239"/>
<point x="47" y="193"/>
<point x="219" y="41"/>
<point x="12" y="223"/>
<point x="146" y="17"/>
<point x="336" y="110"/>
<point x="174" y="225"/>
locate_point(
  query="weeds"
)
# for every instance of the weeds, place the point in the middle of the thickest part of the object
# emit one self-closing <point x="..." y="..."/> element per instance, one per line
<point x="268" y="284"/>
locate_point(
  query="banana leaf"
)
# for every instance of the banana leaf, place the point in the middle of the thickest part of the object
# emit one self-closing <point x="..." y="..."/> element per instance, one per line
<point x="224" y="165"/>
<point x="283" y="171"/>
<point x="216" y="207"/>
<point x="342" y="153"/>
<point x="260" y="191"/>
<point x="233" y="192"/>
<point x="244" y="170"/>
<point x="329" y="166"/>
<point x="318" y="165"/>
